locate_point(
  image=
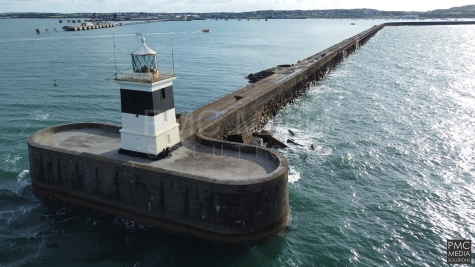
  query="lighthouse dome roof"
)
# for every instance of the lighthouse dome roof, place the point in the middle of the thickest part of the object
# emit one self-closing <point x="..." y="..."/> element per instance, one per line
<point x="144" y="50"/>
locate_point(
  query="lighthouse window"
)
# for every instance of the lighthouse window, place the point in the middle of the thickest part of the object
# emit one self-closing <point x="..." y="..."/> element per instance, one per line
<point x="165" y="118"/>
<point x="163" y="93"/>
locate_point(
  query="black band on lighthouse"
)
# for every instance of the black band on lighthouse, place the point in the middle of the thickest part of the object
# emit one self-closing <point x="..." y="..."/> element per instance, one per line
<point x="147" y="103"/>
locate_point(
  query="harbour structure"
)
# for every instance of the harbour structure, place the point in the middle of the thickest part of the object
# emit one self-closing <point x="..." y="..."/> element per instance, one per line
<point x="103" y="25"/>
<point x="88" y="26"/>
<point x="210" y="188"/>
<point x="225" y="193"/>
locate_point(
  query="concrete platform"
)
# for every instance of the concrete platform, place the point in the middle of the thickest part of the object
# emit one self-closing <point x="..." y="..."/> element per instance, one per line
<point x="218" y="165"/>
<point x="223" y="195"/>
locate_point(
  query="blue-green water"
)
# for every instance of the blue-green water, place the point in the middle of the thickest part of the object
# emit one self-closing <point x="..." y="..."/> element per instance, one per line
<point x="392" y="177"/>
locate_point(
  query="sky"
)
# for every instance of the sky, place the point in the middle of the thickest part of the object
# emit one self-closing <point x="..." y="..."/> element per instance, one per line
<point x="198" y="6"/>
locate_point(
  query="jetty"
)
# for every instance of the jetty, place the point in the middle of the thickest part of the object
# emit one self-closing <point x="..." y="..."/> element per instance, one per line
<point x="102" y="25"/>
<point x="210" y="187"/>
<point x="88" y="26"/>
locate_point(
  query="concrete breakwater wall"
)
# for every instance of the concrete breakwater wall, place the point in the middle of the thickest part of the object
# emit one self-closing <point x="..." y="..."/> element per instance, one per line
<point x="227" y="210"/>
<point x="258" y="103"/>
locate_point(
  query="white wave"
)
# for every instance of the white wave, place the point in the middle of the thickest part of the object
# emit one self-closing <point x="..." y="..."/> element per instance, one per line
<point x="21" y="188"/>
<point x="161" y="33"/>
<point x="12" y="160"/>
<point x="294" y="175"/>
<point x="22" y="174"/>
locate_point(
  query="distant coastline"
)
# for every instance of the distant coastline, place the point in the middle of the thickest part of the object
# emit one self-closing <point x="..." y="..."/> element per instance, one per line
<point x="361" y="13"/>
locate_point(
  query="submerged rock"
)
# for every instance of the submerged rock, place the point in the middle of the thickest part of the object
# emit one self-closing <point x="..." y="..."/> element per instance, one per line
<point x="292" y="141"/>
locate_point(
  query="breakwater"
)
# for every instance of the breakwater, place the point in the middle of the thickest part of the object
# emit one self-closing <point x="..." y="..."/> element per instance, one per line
<point x="88" y="26"/>
<point x="102" y="25"/>
<point x="212" y="188"/>
<point x="249" y="109"/>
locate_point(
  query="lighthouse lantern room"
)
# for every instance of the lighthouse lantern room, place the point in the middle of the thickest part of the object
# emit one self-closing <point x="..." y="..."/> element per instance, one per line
<point x="148" y="108"/>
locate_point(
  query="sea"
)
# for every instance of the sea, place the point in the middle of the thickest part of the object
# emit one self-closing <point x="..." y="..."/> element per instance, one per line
<point x="392" y="177"/>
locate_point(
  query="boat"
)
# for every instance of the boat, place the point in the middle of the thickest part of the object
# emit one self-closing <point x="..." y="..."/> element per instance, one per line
<point x="206" y="30"/>
<point x="352" y="23"/>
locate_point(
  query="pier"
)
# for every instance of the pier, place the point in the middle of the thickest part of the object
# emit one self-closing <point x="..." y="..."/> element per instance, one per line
<point x="211" y="187"/>
<point x="88" y="26"/>
<point x="102" y="25"/>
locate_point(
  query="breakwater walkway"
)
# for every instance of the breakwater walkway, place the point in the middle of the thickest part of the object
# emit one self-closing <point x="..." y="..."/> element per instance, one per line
<point x="210" y="188"/>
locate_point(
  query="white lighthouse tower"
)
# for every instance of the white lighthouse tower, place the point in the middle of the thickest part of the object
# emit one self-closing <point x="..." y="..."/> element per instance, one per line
<point x="148" y="107"/>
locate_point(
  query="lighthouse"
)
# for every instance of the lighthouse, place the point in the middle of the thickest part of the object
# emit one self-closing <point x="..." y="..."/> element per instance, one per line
<point x="148" y="108"/>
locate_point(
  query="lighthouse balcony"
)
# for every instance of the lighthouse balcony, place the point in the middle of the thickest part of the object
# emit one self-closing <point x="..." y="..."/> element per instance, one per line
<point x="144" y="77"/>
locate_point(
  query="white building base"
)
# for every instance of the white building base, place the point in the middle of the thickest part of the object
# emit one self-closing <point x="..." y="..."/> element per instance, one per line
<point x="151" y="144"/>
